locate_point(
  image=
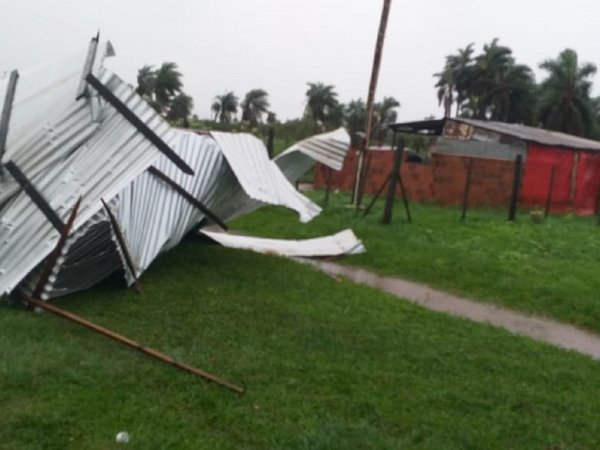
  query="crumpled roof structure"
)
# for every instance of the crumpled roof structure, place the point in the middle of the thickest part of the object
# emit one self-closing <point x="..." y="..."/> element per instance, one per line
<point x="80" y="132"/>
<point x="327" y="148"/>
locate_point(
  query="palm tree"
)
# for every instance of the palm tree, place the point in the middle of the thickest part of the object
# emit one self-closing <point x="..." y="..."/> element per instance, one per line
<point x="445" y="87"/>
<point x="225" y="106"/>
<point x="167" y="84"/>
<point x="454" y="80"/>
<point x="511" y="97"/>
<point x="385" y="114"/>
<point x="565" y="103"/>
<point x="159" y="86"/>
<point x="487" y="73"/>
<point x="146" y="79"/>
<point x="216" y="109"/>
<point x="321" y="101"/>
<point x="180" y="109"/>
<point x="255" y="104"/>
<point x="463" y="74"/>
<point x="355" y="118"/>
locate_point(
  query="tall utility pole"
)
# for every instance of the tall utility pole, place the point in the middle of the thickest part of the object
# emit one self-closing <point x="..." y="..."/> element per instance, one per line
<point x="357" y="194"/>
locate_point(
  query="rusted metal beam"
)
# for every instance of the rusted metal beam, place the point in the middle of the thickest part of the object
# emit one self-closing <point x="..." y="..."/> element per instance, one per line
<point x="189" y="197"/>
<point x="51" y="262"/>
<point x="35" y="196"/>
<point x="131" y="343"/>
<point x="122" y="108"/>
<point x="9" y="98"/>
<point x="124" y="248"/>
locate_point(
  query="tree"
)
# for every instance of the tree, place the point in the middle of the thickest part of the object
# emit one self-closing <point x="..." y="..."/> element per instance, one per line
<point x="225" y="106"/>
<point x="490" y="85"/>
<point x="159" y="86"/>
<point x="255" y="104"/>
<point x="216" y="109"/>
<point x="321" y="102"/>
<point x="167" y="84"/>
<point x="486" y="75"/>
<point x="511" y="96"/>
<point x="454" y="80"/>
<point x="355" y="114"/>
<point x="385" y="114"/>
<point x="146" y="79"/>
<point x="180" y="109"/>
<point x="564" y="96"/>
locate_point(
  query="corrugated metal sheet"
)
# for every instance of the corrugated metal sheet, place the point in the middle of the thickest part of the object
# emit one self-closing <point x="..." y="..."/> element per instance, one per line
<point x="475" y="149"/>
<point x="342" y="243"/>
<point x="328" y="148"/>
<point x="100" y="168"/>
<point x="260" y="177"/>
<point x="153" y="216"/>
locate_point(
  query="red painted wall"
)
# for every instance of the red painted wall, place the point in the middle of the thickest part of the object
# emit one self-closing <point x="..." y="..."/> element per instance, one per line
<point x="536" y="178"/>
<point x="442" y="179"/>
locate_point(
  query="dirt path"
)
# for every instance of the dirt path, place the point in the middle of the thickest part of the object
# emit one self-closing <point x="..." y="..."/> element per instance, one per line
<point x="538" y="328"/>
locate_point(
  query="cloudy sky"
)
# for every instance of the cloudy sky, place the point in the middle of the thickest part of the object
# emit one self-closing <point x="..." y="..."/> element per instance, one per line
<point x="280" y="45"/>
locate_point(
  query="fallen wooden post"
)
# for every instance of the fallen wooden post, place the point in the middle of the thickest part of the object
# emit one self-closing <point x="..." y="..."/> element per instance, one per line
<point x="131" y="343"/>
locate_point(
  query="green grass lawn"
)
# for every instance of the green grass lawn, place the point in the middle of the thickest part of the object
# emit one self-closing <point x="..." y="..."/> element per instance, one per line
<point x="327" y="365"/>
<point x="551" y="269"/>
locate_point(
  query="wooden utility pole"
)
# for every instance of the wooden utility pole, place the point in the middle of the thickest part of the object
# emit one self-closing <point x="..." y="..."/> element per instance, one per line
<point x="357" y="194"/>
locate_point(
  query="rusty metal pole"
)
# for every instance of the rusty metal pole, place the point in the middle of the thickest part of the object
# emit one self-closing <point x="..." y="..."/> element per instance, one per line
<point x="356" y="195"/>
<point x="51" y="261"/>
<point x="124" y="248"/>
<point x="131" y="343"/>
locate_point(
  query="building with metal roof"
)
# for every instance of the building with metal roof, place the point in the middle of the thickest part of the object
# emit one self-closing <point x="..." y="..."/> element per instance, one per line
<point x="558" y="169"/>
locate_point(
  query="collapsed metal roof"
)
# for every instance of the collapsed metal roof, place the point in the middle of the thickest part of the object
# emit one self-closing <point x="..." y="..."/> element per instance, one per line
<point x="140" y="185"/>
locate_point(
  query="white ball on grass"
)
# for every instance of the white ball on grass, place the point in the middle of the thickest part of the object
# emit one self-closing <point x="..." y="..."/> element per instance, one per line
<point x="122" y="437"/>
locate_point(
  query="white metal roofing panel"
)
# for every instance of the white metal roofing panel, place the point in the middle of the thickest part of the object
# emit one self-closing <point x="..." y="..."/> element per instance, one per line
<point x="260" y="177"/>
<point x="294" y="165"/>
<point x="100" y="168"/>
<point x="43" y="94"/>
<point x="153" y="216"/>
<point x="328" y="148"/>
<point x="342" y="243"/>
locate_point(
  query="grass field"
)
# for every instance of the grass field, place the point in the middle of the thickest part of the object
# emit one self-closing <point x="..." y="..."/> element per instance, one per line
<point x="327" y="365"/>
<point x="549" y="269"/>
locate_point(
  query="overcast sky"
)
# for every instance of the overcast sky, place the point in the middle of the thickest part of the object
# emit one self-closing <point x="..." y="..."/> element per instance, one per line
<point x="280" y="45"/>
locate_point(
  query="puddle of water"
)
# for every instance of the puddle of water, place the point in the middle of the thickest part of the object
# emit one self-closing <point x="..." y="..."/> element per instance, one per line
<point x="541" y="329"/>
